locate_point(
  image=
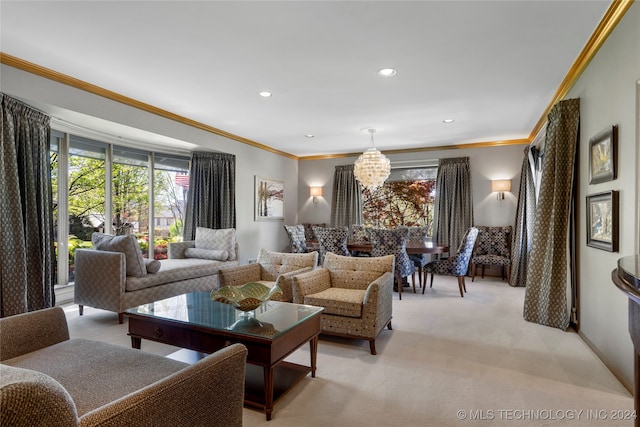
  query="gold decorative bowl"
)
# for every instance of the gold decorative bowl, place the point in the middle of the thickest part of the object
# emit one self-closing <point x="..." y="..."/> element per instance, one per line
<point x="246" y="297"/>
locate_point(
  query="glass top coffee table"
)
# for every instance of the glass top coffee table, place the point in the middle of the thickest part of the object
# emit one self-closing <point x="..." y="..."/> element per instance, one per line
<point x="270" y="333"/>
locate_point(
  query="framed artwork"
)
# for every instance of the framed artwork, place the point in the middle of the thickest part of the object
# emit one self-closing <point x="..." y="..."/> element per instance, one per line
<point x="269" y="199"/>
<point x="602" y="221"/>
<point x="603" y="159"/>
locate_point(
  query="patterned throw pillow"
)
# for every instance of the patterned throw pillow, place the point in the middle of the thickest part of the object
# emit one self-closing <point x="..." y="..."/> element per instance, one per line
<point x="128" y="245"/>
<point x="297" y="238"/>
<point x="222" y="239"/>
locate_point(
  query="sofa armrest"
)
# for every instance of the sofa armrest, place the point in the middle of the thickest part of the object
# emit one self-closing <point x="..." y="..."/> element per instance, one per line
<point x="27" y="332"/>
<point x="176" y="249"/>
<point x="285" y="283"/>
<point x="100" y="279"/>
<point x="209" y="392"/>
<point x="239" y="275"/>
<point x="308" y="283"/>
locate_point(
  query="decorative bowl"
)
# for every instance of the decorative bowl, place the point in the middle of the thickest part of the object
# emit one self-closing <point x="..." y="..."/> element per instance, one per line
<point x="246" y="297"/>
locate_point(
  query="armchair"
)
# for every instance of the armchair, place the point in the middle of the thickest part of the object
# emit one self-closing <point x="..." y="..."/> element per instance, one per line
<point x="493" y="248"/>
<point x="456" y="265"/>
<point x="356" y="294"/>
<point x="271" y="269"/>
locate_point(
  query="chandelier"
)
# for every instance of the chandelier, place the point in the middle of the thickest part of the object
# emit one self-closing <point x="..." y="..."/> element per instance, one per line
<point x="372" y="167"/>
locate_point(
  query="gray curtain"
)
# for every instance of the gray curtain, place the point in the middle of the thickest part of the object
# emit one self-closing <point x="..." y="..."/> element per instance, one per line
<point x="545" y="299"/>
<point x="523" y="232"/>
<point x="26" y="216"/>
<point x="211" y="201"/>
<point x="346" y="205"/>
<point x="453" y="204"/>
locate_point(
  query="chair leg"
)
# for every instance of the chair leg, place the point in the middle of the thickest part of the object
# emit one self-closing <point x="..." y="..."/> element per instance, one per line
<point x="461" y="285"/>
<point x="413" y="281"/>
<point x="81" y="309"/>
<point x="473" y="271"/>
<point x="399" y="281"/>
<point x="389" y="325"/>
<point x="483" y="270"/>
<point x="508" y="268"/>
<point x="120" y="318"/>
<point x="372" y="346"/>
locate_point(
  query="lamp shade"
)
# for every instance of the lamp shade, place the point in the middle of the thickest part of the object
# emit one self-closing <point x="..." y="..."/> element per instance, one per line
<point x="501" y="185"/>
<point x="315" y="191"/>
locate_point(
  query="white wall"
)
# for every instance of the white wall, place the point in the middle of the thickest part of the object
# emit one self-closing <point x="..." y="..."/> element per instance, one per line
<point x="502" y="162"/>
<point x="607" y="97"/>
<point x="250" y="161"/>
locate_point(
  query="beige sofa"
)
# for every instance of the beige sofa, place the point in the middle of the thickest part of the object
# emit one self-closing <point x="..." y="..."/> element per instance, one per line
<point x="113" y="275"/>
<point x="47" y="379"/>
<point x="271" y="269"/>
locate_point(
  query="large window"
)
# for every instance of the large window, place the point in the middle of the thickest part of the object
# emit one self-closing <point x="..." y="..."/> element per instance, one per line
<point x="406" y="198"/>
<point x="88" y="168"/>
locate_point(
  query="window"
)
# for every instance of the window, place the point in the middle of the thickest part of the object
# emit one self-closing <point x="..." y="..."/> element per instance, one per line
<point x="406" y="198"/>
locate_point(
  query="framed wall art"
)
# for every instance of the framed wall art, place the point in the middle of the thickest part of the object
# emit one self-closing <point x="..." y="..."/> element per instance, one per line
<point x="602" y="221"/>
<point x="603" y="160"/>
<point x="269" y="199"/>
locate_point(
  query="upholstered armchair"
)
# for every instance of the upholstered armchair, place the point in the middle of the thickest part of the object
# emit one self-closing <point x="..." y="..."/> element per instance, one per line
<point x="356" y="294"/>
<point x="297" y="239"/>
<point x="271" y="269"/>
<point x="457" y="264"/>
<point x="331" y="239"/>
<point x="393" y="242"/>
<point x="493" y="248"/>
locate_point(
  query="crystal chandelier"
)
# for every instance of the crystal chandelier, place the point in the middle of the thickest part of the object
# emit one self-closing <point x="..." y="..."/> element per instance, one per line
<point x="372" y="167"/>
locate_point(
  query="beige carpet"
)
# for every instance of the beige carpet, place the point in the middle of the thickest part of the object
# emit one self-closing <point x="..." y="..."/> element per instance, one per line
<point x="449" y="361"/>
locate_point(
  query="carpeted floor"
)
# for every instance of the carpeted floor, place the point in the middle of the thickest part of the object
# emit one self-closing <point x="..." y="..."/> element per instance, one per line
<point x="448" y="361"/>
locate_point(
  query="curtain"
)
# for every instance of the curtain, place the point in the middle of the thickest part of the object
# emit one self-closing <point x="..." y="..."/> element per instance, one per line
<point x="523" y="231"/>
<point x="545" y="299"/>
<point x="453" y="204"/>
<point x="346" y="205"/>
<point x="211" y="201"/>
<point x="26" y="215"/>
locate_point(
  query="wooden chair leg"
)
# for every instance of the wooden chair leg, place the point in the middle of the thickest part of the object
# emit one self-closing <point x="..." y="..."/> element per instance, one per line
<point x="81" y="309"/>
<point x="372" y="347"/>
<point x="121" y="318"/>
<point x="508" y="268"/>
<point x="413" y="280"/>
<point x="461" y="284"/>
<point x="389" y="327"/>
<point x="483" y="270"/>
<point x="473" y="271"/>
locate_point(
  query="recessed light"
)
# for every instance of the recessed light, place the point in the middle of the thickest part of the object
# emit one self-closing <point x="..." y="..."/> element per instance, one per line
<point x="448" y="121"/>
<point x="265" y="94"/>
<point x="309" y="135"/>
<point x="387" y="72"/>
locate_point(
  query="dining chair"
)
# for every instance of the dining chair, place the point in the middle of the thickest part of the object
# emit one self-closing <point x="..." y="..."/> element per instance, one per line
<point x="417" y="236"/>
<point x="331" y="239"/>
<point x="297" y="238"/>
<point x="393" y="242"/>
<point x="457" y="264"/>
<point x="358" y="233"/>
<point x="493" y="248"/>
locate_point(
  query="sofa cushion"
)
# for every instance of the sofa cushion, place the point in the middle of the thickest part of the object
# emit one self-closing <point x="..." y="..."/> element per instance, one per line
<point x="215" y="254"/>
<point x="175" y="270"/>
<point x="152" y="265"/>
<point x="338" y="301"/>
<point x="223" y="239"/>
<point x="128" y="245"/>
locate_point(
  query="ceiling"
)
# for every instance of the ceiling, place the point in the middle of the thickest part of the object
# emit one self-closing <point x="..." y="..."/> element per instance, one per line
<point x="491" y="66"/>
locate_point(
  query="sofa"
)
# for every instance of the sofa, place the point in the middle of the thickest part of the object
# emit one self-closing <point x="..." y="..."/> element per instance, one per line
<point x="114" y="276"/>
<point x="48" y="379"/>
<point x="271" y="269"/>
<point x="356" y="293"/>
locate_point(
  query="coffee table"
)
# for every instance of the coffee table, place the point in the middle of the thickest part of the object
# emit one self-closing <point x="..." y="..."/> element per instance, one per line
<point x="193" y="321"/>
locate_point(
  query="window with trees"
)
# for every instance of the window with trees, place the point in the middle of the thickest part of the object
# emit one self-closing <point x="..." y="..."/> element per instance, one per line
<point x="406" y="198"/>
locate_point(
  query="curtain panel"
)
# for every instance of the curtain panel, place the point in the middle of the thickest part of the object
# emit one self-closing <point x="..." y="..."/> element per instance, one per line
<point x="211" y="201"/>
<point x="26" y="213"/>
<point x="453" y="204"/>
<point x="346" y="206"/>
<point x="523" y="230"/>
<point x="545" y="299"/>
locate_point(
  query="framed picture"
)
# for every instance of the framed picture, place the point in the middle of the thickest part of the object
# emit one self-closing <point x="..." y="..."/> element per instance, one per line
<point x="602" y="156"/>
<point x="602" y="221"/>
<point x="269" y="199"/>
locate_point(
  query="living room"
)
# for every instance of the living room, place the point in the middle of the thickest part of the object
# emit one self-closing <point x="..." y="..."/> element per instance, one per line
<point x="609" y="95"/>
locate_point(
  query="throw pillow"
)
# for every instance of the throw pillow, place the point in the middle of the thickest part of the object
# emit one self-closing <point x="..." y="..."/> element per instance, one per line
<point x="222" y="239"/>
<point x="216" y="254"/>
<point x="128" y="245"/>
<point x="152" y="265"/>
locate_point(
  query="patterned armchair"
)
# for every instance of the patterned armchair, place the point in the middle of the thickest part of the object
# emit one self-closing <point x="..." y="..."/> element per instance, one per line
<point x="297" y="239"/>
<point x="356" y="294"/>
<point x="271" y="269"/>
<point x="493" y="248"/>
<point x="456" y="265"/>
<point x="393" y="242"/>
<point x="331" y="239"/>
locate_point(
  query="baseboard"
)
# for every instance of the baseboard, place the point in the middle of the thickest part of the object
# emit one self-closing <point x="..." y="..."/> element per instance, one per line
<point x="616" y="373"/>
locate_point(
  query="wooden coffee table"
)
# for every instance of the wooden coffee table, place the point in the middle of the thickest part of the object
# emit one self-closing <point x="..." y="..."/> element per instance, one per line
<point x="195" y="322"/>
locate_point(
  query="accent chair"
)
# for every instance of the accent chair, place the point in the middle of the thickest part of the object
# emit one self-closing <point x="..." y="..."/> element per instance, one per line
<point x="493" y="248"/>
<point x="393" y="242"/>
